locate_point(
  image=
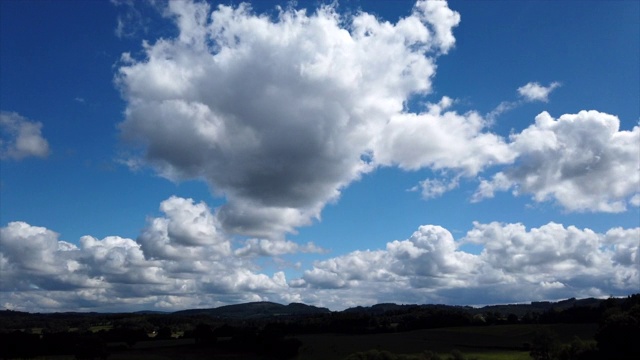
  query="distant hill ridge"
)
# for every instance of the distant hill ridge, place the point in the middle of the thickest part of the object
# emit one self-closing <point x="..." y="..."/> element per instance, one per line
<point x="264" y="309"/>
<point x="257" y="310"/>
<point x="517" y="309"/>
<point x="269" y="309"/>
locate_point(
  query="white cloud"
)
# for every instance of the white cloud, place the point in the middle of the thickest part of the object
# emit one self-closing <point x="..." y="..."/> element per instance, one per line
<point x="21" y="137"/>
<point x="533" y="91"/>
<point x="130" y="21"/>
<point x="428" y="259"/>
<point x="278" y="115"/>
<point x="624" y="245"/>
<point x="189" y="231"/>
<point x="179" y="260"/>
<point x="502" y="108"/>
<point x="32" y="257"/>
<point x="515" y="264"/>
<point x="440" y="141"/>
<point x="119" y="260"/>
<point x="43" y="273"/>
<point x="530" y="92"/>
<point x="440" y="18"/>
<point x="433" y="188"/>
<point x="582" y="161"/>
<point x="266" y="247"/>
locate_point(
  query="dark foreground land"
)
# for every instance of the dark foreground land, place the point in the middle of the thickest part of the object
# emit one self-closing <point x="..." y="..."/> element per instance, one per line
<point x="570" y="329"/>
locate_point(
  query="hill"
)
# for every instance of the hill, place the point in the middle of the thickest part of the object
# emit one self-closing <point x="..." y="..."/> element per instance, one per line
<point x="260" y="309"/>
<point x="519" y="310"/>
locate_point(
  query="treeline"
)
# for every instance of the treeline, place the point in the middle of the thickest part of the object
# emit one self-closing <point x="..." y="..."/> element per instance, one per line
<point x="103" y="343"/>
<point x="94" y="335"/>
<point x="377" y="318"/>
<point x="399" y="318"/>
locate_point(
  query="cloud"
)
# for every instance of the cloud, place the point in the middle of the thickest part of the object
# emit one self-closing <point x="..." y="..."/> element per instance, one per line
<point x="118" y="260"/>
<point x="440" y="140"/>
<point x="266" y="247"/>
<point x="130" y="21"/>
<point x="188" y="232"/>
<point x="279" y="114"/>
<point x="582" y="161"/>
<point x="428" y="259"/>
<point x="21" y="137"/>
<point x="433" y="188"/>
<point x="33" y="258"/>
<point x="201" y="269"/>
<point x="533" y="91"/>
<point x="516" y="264"/>
<point x="179" y="260"/>
<point x="502" y="108"/>
<point x="530" y="92"/>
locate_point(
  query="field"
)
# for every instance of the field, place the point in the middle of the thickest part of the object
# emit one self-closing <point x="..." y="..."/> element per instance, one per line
<point x="500" y="342"/>
<point x="490" y="342"/>
<point x="482" y="343"/>
<point x="566" y="329"/>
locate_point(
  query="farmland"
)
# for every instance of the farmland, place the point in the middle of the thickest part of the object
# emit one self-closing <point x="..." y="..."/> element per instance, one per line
<point x="490" y="342"/>
<point x="570" y="329"/>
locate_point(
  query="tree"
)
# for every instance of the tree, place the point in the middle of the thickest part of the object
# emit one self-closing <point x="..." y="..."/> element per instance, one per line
<point x="164" y="333"/>
<point x="543" y="345"/>
<point x="618" y="334"/>
<point x="578" y="349"/>
<point x="203" y="334"/>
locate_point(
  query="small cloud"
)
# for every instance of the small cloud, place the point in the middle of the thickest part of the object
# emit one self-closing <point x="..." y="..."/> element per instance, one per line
<point x="133" y="163"/>
<point x="533" y="91"/>
<point x="21" y="137"/>
<point x="502" y="108"/>
<point x="79" y="99"/>
<point x="530" y="92"/>
<point x="433" y="188"/>
<point x="266" y="247"/>
<point x="127" y="59"/>
<point x="131" y="21"/>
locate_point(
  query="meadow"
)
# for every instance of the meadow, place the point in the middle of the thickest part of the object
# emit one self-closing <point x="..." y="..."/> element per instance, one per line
<point x="481" y="342"/>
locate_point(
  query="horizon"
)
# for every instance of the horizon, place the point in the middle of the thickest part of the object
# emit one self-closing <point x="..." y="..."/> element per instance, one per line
<point x="353" y="307"/>
<point x="162" y="155"/>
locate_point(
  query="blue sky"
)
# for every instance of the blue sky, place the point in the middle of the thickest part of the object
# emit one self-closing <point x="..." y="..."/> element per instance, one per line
<point x="163" y="160"/>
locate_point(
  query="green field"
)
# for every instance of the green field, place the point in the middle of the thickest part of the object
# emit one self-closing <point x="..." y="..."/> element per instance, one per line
<point x="505" y="342"/>
<point x="500" y="342"/>
<point x="489" y="342"/>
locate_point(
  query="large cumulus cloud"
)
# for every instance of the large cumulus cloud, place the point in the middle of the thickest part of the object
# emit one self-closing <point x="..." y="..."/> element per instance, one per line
<point x="279" y="114"/>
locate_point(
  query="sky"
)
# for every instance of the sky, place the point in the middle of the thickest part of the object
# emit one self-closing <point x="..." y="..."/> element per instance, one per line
<point x="170" y="155"/>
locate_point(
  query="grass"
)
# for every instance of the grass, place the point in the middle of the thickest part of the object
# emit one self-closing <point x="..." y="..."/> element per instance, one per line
<point x="482" y="342"/>
<point x="98" y="328"/>
<point x="496" y="355"/>
<point x="475" y="342"/>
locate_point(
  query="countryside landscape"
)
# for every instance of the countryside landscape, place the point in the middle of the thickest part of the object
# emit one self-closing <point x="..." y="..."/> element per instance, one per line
<point x="319" y="179"/>
<point x="569" y="329"/>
